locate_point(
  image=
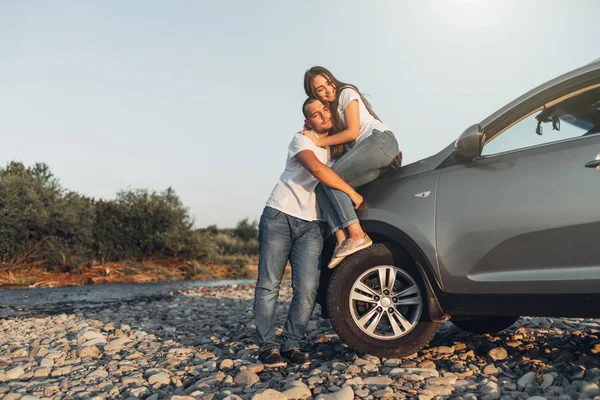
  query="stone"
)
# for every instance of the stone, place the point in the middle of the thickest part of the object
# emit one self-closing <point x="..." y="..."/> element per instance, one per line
<point x="12" y="396"/>
<point x="89" y="335"/>
<point x="88" y="351"/>
<point x="226" y="364"/>
<point x="246" y="378"/>
<point x="47" y="362"/>
<point x="14" y="373"/>
<point x="498" y="354"/>
<point x="161" y="378"/>
<point x="296" y="390"/>
<point x="392" y="363"/>
<point x="589" y="389"/>
<point x="441" y="381"/>
<point x="352" y="370"/>
<point x="269" y="394"/>
<point x="99" y="373"/>
<point x="491" y="390"/>
<point x="547" y="381"/>
<point x="256" y="368"/>
<point x="440" y="390"/>
<point x="357" y="380"/>
<point x="379" y="381"/>
<point x="490" y="370"/>
<point x="526" y="379"/>
<point x="116" y="345"/>
<point x="338" y="366"/>
<point x="42" y="372"/>
<point x="443" y="350"/>
<point x="140" y="392"/>
<point x="346" y="393"/>
<point x="384" y="393"/>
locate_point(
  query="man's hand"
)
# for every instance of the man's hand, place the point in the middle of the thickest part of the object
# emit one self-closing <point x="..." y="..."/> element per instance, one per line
<point x="397" y="161"/>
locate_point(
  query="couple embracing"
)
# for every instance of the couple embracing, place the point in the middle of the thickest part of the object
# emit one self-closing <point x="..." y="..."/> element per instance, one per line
<point x="343" y="145"/>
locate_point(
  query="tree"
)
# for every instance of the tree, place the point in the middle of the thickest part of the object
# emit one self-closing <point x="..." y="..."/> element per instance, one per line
<point x="212" y="229"/>
<point x="246" y="230"/>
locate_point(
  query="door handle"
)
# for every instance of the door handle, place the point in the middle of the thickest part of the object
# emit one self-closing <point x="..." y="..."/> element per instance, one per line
<point x="593" y="164"/>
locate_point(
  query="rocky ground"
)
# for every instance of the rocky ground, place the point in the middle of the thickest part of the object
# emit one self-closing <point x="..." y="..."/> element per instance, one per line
<point x="199" y="344"/>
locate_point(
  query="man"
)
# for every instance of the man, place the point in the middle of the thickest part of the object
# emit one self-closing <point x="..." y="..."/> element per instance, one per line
<point x="291" y="229"/>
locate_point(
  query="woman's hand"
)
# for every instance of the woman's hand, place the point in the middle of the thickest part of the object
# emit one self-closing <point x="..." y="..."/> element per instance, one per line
<point x="311" y="136"/>
<point x="357" y="199"/>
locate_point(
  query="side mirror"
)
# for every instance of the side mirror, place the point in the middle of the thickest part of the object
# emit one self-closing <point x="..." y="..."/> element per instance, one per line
<point x="470" y="143"/>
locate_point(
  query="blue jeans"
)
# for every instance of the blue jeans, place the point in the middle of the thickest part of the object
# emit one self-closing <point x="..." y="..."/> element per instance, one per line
<point x="282" y="237"/>
<point x="361" y="164"/>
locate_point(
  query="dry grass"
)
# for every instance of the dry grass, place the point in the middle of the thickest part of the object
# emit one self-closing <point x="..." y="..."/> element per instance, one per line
<point x="126" y="272"/>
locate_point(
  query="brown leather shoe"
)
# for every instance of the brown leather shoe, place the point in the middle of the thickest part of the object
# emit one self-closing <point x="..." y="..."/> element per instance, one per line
<point x="295" y="356"/>
<point x="271" y="358"/>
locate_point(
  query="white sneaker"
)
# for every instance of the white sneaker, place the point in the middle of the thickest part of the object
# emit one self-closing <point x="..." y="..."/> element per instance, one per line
<point x="335" y="260"/>
<point x="351" y="246"/>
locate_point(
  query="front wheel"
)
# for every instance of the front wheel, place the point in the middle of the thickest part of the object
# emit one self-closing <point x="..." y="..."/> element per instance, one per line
<point x="377" y="303"/>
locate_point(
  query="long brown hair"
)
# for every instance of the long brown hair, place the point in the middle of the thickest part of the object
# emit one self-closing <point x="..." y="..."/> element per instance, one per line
<point x="338" y="125"/>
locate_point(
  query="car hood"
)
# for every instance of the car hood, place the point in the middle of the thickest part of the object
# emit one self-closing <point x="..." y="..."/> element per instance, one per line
<point x="418" y="167"/>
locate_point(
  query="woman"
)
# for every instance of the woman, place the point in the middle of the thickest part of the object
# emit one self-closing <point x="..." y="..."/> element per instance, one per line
<point x="371" y="148"/>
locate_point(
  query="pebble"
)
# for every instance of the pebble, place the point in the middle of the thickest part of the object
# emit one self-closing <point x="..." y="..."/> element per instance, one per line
<point x="269" y="394"/>
<point x="547" y="381"/>
<point x="162" y="378"/>
<point x="183" y="346"/>
<point x="490" y="370"/>
<point x="345" y="393"/>
<point x="296" y="390"/>
<point x="377" y="381"/>
<point x="246" y="378"/>
<point x="526" y="379"/>
<point x="498" y="354"/>
<point x="14" y="373"/>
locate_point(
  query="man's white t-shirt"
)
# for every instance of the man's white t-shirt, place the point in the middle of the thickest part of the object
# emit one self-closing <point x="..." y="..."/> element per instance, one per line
<point x="294" y="194"/>
<point x="367" y="121"/>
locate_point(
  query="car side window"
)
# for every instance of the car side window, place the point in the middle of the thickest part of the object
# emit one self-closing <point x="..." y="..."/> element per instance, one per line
<point x="577" y="116"/>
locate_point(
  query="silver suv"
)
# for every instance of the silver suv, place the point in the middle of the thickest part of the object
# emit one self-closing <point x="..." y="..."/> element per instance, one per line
<point x="504" y="222"/>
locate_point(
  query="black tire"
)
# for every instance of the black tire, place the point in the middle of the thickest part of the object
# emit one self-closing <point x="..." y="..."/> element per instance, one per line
<point x="338" y="303"/>
<point x="481" y="325"/>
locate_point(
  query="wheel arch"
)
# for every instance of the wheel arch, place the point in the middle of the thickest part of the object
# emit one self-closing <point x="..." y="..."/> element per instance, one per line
<point x="382" y="232"/>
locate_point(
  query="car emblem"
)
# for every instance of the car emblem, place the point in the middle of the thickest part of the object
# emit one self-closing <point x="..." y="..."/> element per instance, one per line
<point x="423" y="195"/>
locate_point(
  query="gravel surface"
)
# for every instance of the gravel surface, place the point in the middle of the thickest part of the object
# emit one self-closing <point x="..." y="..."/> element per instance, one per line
<point x="198" y="343"/>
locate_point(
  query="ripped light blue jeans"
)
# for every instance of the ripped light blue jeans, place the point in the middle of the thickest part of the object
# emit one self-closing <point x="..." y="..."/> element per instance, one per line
<point x="361" y="164"/>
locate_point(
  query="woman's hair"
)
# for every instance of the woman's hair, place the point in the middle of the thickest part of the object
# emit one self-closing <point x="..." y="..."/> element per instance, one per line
<point x="338" y="125"/>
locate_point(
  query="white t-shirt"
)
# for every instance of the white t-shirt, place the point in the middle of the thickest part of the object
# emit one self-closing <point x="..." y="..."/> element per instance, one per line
<point x="294" y="194"/>
<point x="367" y="121"/>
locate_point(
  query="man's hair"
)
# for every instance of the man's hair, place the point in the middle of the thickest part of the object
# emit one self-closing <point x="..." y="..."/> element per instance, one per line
<point x="308" y="101"/>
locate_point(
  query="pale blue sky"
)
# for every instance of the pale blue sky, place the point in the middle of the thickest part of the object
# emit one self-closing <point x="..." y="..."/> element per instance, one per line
<point x="204" y="96"/>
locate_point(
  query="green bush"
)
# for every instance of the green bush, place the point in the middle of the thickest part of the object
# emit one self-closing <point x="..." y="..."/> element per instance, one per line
<point x="43" y="224"/>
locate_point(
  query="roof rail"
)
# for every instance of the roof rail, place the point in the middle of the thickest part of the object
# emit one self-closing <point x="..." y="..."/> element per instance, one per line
<point x="595" y="61"/>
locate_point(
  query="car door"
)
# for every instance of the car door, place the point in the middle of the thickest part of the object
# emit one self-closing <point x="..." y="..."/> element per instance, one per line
<point x="523" y="219"/>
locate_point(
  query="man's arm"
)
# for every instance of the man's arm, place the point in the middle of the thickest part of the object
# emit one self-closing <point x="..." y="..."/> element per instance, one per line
<point x="326" y="175"/>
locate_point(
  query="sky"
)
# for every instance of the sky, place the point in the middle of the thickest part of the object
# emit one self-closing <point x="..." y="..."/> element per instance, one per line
<point x="205" y="96"/>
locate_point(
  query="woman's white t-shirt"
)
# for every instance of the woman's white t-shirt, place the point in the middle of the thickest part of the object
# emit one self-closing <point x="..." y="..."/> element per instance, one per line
<point x="367" y="121"/>
<point x="294" y="194"/>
